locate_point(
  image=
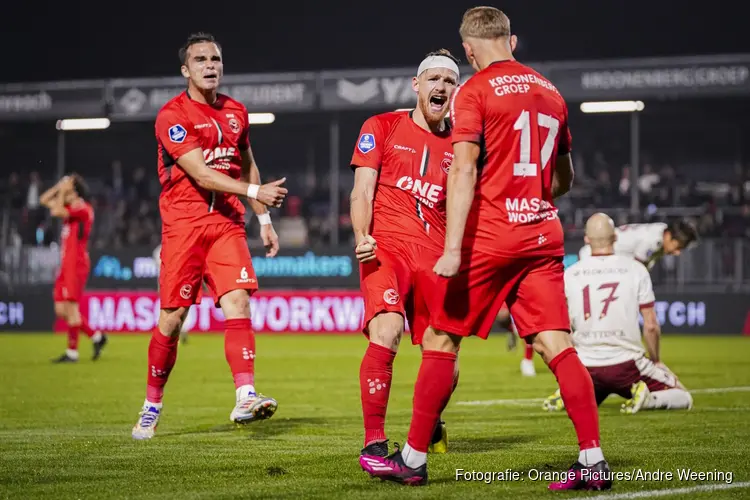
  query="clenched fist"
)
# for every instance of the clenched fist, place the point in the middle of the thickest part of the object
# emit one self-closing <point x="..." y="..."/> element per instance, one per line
<point x="272" y="194"/>
<point x="365" y="249"/>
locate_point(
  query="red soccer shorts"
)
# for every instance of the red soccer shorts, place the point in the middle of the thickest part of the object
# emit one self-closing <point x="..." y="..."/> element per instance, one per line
<point x="389" y="284"/>
<point x="467" y="304"/>
<point x="70" y="284"/>
<point x="216" y="254"/>
<point x="619" y="379"/>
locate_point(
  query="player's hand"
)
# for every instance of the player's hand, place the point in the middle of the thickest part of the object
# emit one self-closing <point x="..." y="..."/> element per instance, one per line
<point x="270" y="239"/>
<point x="447" y="265"/>
<point x="365" y="249"/>
<point x="272" y="194"/>
<point x="66" y="183"/>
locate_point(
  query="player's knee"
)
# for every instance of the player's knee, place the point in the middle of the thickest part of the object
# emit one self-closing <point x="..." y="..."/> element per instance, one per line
<point x="73" y="314"/>
<point x="503" y="318"/>
<point x="61" y="311"/>
<point x="386" y="330"/>
<point x="436" y="340"/>
<point x="549" y="344"/>
<point x="235" y="304"/>
<point x="170" y="320"/>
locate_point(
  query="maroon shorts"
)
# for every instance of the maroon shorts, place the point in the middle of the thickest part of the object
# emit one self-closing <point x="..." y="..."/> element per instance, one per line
<point x="70" y="284"/>
<point x="216" y="254"/>
<point x="467" y="304"/>
<point x="618" y="379"/>
<point x="389" y="284"/>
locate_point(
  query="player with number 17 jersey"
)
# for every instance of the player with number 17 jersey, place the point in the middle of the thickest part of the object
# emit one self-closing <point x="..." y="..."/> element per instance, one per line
<point x="521" y="123"/>
<point x="408" y="214"/>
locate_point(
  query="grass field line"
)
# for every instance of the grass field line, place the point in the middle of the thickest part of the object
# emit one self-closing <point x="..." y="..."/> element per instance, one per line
<point x="672" y="491"/>
<point x="535" y="401"/>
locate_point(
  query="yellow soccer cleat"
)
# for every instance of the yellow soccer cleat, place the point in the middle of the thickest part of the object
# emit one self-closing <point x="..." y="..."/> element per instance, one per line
<point x="640" y="394"/>
<point x="554" y="402"/>
<point x="439" y="443"/>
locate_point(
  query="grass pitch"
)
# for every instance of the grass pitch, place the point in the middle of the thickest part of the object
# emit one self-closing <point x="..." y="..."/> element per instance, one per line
<point x="65" y="429"/>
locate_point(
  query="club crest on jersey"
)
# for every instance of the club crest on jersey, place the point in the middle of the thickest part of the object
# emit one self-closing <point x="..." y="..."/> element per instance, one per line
<point x="366" y="143"/>
<point x="177" y="133"/>
<point x="445" y="165"/>
<point x="234" y="126"/>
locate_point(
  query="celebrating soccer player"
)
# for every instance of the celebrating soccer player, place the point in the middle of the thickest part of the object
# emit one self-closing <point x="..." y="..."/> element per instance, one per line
<point x="504" y="243"/>
<point x="205" y="166"/>
<point x="401" y="162"/>
<point x="648" y="243"/>
<point x="605" y="291"/>
<point x="68" y="200"/>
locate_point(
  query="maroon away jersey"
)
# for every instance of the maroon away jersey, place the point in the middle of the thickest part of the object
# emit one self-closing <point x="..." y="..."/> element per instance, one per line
<point x="74" y="241"/>
<point x="221" y="131"/>
<point x="521" y="122"/>
<point x="412" y="166"/>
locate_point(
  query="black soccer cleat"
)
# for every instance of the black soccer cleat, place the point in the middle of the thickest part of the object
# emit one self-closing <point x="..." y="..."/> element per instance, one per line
<point x="64" y="359"/>
<point x="377" y="449"/>
<point x="98" y="346"/>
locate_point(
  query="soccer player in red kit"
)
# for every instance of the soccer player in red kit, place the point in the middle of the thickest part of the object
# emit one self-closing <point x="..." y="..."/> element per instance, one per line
<point x="68" y="200"/>
<point x="205" y="166"/>
<point x="401" y="162"/>
<point x="504" y="243"/>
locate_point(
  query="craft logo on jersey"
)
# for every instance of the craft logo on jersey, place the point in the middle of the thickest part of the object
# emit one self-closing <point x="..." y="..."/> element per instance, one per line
<point x="177" y="133"/>
<point x="366" y="143"/>
<point x="234" y="126"/>
<point x="426" y="192"/>
<point x="391" y="297"/>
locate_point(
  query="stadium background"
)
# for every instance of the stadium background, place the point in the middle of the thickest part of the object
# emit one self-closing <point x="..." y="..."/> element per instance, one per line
<point x="321" y="74"/>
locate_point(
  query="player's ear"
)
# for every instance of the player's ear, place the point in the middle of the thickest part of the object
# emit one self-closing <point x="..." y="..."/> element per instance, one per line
<point x="586" y="240"/>
<point x="468" y="51"/>
<point x="513" y="42"/>
<point x="415" y="84"/>
<point x="184" y="71"/>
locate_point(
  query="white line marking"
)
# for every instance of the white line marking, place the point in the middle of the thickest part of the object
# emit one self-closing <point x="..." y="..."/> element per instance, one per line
<point x="535" y="401"/>
<point x="672" y="491"/>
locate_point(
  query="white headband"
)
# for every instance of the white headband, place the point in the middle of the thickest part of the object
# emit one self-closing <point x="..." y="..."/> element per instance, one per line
<point x="432" y="62"/>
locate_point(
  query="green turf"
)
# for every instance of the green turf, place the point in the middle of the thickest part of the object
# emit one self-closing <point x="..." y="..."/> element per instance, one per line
<point x="65" y="430"/>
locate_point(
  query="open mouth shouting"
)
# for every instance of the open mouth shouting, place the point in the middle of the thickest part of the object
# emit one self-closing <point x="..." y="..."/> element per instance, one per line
<point x="437" y="103"/>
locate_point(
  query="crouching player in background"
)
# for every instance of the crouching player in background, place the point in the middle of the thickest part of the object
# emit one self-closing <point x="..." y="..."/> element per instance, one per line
<point x="68" y="200"/>
<point x="605" y="291"/>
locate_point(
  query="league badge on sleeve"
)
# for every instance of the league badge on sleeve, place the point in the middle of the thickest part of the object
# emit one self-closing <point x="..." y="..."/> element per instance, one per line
<point x="177" y="133"/>
<point x="366" y="143"/>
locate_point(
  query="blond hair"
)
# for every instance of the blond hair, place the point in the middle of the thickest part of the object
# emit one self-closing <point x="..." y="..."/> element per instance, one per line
<point x="484" y="22"/>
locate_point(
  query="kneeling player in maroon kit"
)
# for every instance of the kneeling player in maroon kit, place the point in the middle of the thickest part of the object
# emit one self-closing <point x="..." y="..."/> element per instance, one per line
<point x="68" y="200"/>
<point x="400" y="164"/>
<point x="205" y="165"/>
<point x="504" y="243"/>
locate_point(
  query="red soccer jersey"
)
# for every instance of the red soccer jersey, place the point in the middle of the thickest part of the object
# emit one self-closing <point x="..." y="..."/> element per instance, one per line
<point x="521" y="122"/>
<point x="74" y="252"/>
<point x="221" y="131"/>
<point x="412" y="166"/>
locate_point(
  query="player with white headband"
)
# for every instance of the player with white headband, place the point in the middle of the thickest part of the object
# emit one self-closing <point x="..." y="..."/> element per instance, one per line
<point x="401" y="163"/>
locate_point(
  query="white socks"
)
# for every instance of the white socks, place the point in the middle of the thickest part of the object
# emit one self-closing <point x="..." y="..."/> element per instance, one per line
<point x="413" y="458"/>
<point x="155" y="405"/>
<point x="71" y="353"/>
<point x="669" y="399"/>
<point x="245" y="391"/>
<point x="96" y="337"/>
<point x="590" y="457"/>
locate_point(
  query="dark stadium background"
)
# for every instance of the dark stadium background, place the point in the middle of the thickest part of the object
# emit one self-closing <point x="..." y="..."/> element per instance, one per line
<point x="693" y="152"/>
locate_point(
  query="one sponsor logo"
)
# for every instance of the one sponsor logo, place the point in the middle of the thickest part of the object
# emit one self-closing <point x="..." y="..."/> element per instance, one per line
<point x="391" y="297"/>
<point x="366" y="143"/>
<point x="528" y="210"/>
<point x="186" y="291"/>
<point x="679" y="314"/>
<point x="11" y="313"/>
<point x="219" y="157"/>
<point x="357" y="93"/>
<point x="230" y="115"/>
<point x="234" y="126"/>
<point x="177" y="133"/>
<point x="426" y="192"/>
<point x="133" y="101"/>
<point x="309" y="265"/>
<point x="202" y="125"/>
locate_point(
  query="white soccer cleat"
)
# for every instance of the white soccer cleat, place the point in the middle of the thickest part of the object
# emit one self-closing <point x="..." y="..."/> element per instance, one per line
<point x="253" y="407"/>
<point x="527" y="368"/>
<point x="148" y="420"/>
